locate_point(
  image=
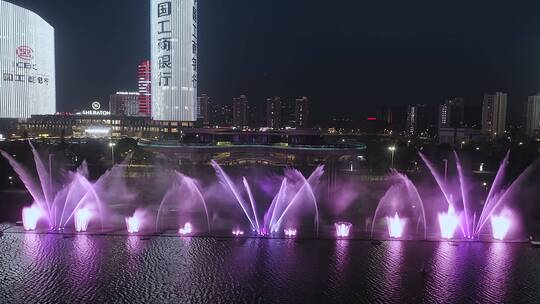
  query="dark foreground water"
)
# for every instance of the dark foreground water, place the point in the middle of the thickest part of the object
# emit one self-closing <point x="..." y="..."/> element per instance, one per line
<point x="122" y="269"/>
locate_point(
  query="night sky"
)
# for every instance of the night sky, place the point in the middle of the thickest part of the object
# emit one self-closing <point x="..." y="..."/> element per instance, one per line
<point x="347" y="56"/>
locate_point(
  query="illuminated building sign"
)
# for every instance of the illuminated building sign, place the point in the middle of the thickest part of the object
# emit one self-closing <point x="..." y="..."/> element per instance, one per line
<point x="96" y="110"/>
<point x="174" y="59"/>
<point x="27" y="64"/>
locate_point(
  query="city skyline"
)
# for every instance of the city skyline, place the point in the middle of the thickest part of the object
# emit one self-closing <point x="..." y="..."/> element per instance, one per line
<point x="370" y="61"/>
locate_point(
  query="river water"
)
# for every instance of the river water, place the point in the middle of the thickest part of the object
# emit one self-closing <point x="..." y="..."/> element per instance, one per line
<point x="46" y="268"/>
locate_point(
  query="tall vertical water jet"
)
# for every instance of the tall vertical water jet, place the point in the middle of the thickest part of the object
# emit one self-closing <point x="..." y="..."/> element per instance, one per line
<point x="186" y="230"/>
<point x="396" y="226"/>
<point x="500" y="225"/>
<point x="448" y="223"/>
<point x="31" y="216"/>
<point x="133" y="223"/>
<point x="343" y="229"/>
<point x="463" y="195"/>
<point x="82" y="218"/>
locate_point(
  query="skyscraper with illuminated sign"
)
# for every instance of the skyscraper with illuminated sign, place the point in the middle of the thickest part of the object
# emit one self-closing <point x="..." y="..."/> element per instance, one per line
<point x="174" y="60"/>
<point x="27" y="64"/>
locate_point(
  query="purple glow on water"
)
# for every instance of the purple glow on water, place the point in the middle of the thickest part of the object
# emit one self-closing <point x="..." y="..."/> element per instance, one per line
<point x="448" y="223"/>
<point x="395" y="226"/>
<point x="186" y="230"/>
<point x="500" y="226"/>
<point x="31" y="216"/>
<point x="238" y="232"/>
<point x="82" y="218"/>
<point x="290" y="232"/>
<point x="133" y="223"/>
<point x="343" y="229"/>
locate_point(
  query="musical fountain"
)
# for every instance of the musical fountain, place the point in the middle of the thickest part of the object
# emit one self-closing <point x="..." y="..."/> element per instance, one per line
<point x="72" y="200"/>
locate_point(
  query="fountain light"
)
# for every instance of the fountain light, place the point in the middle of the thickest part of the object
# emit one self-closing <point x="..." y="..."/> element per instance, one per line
<point x="343" y="229"/>
<point x="133" y="224"/>
<point x="31" y="216"/>
<point x="263" y="232"/>
<point x="290" y="232"/>
<point x="448" y="223"/>
<point x="500" y="226"/>
<point x="238" y="232"/>
<point x="395" y="226"/>
<point x="187" y="229"/>
<point x="82" y="218"/>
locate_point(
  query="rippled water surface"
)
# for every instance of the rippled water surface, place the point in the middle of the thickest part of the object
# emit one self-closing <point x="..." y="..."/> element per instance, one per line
<point x="127" y="269"/>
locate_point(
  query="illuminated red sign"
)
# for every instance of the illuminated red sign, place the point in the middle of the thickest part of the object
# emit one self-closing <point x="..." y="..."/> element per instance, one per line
<point x="25" y="52"/>
<point x="371" y="118"/>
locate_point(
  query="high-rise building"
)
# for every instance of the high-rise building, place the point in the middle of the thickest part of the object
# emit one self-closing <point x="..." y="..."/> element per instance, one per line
<point x="124" y="104"/>
<point x="452" y="113"/>
<point x="27" y="63"/>
<point x="273" y="112"/>
<point x="221" y="115"/>
<point x="203" y="104"/>
<point x="288" y="113"/>
<point x="240" y="111"/>
<point x="174" y="60"/>
<point x="145" y="88"/>
<point x="257" y="115"/>
<point x="494" y="113"/>
<point x="533" y="116"/>
<point x="418" y="118"/>
<point x="302" y="112"/>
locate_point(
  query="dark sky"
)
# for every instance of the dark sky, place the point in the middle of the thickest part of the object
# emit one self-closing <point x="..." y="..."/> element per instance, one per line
<point x="347" y="56"/>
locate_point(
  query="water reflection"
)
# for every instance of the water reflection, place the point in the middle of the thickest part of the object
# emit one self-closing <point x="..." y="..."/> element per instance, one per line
<point x="338" y="271"/>
<point x="341" y="258"/>
<point x="445" y="274"/>
<point x="85" y="261"/>
<point x="134" y="244"/>
<point x="31" y="247"/>
<point x="392" y="270"/>
<point x="498" y="271"/>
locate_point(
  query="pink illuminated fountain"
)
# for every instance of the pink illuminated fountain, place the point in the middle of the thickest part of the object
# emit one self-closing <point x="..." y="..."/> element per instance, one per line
<point x="402" y="198"/>
<point x="343" y="229"/>
<point x="238" y="232"/>
<point x="295" y="190"/>
<point x="186" y="230"/>
<point x="290" y="232"/>
<point x="448" y="223"/>
<point x="498" y="198"/>
<point x="185" y="197"/>
<point x="60" y="197"/>
<point x="500" y="226"/>
<point x="82" y="218"/>
<point x="31" y="216"/>
<point x="395" y="226"/>
<point x="134" y="222"/>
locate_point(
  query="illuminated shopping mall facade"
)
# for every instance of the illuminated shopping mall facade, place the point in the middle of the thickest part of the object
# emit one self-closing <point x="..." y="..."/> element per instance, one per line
<point x="27" y="63"/>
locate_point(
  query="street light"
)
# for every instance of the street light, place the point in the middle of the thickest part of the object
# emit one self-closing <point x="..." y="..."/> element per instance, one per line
<point x="392" y="149"/>
<point x="112" y="145"/>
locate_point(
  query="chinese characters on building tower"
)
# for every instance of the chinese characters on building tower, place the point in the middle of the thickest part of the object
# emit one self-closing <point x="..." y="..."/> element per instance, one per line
<point x="174" y="59"/>
<point x="164" y="43"/>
